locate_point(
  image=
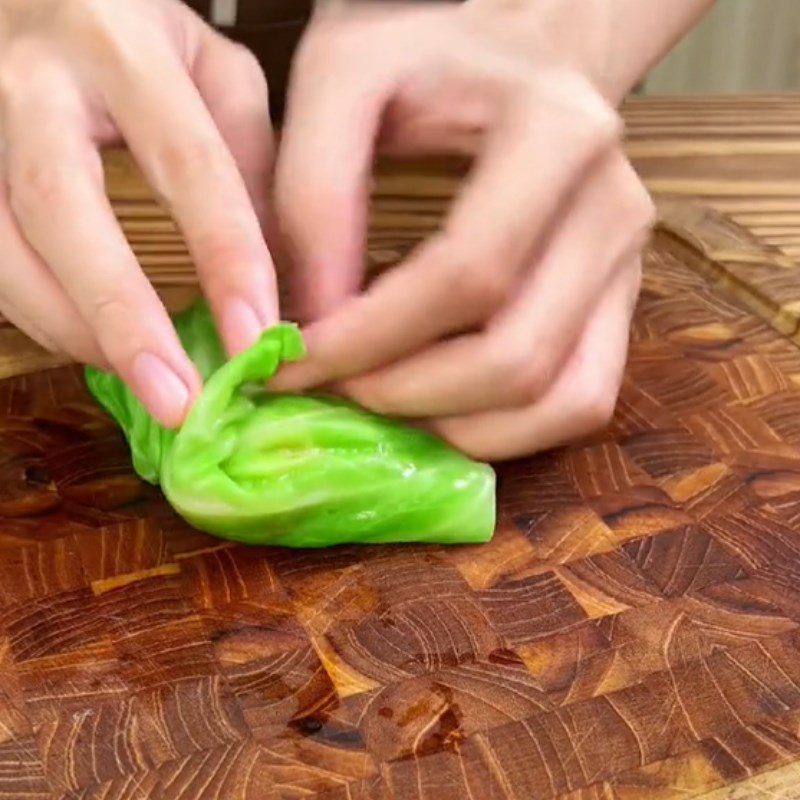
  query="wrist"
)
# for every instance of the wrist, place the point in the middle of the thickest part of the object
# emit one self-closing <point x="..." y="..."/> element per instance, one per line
<point x="644" y="31"/>
<point x="614" y="43"/>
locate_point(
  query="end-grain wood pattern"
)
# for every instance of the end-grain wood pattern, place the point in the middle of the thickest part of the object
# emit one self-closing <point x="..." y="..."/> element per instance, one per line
<point x="633" y="631"/>
<point x="737" y="159"/>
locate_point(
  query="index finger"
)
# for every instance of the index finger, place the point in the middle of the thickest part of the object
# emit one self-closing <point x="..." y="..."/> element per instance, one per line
<point x="55" y="180"/>
<point x="176" y="142"/>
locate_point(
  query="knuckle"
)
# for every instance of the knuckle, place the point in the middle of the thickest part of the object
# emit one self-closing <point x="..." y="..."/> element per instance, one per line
<point x="525" y="371"/>
<point x="476" y="440"/>
<point x="302" y="191"/>
<point x="595" y="407"/>
<point x="107" y="311"/>
<point x="483" y="287"/>
<point x="26" y="65"/>
<point x="124" y="317"/>
<point x="221" y="253"/>
<point x="524" y="93"/>
<point x="91" y="21"/>
<point x="80" y="6"/>
<point x="18" y="59"/>
<point x="636" y="205"/>
<point x="186" y="157"/>
<point x="230" y="268"/>
<point x="178" y="163"/>
<point x="248" y="68"/>
<point x="630" y="212"/>
<point x="644" y="214"/>
<point x="110" y="319"/>
<point x="531" y="382"/>
<point x="584" y="105"/>
<point x="35" y="186"/>
<point x="636" y="275"/>
<point x="566" y="101"/>
<point x="475" y="280"/>
<point x="297" y="196"/>
<point x="329" y="39"/>
<point x="522" y="82"/>
<point x="533" y="377"/>
<point x="602" y="122"/>
<point x="337" y="36"/>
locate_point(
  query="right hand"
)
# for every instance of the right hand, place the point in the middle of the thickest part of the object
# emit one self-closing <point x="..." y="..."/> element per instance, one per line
<point x="507" y="330"/>
<point x="76" y="75"/>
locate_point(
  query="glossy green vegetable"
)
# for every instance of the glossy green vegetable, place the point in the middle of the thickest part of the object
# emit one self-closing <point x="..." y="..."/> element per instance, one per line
<point x="298" y="471"/>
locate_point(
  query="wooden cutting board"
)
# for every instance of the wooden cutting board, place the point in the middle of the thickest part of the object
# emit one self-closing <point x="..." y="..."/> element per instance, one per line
<point x="632" y="632"/>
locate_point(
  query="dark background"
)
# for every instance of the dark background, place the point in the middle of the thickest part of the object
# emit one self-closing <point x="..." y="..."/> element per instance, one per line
<point x="271" y="29"/>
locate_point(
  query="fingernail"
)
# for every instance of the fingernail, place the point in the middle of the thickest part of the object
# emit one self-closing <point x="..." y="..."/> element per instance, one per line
<point x="160" y="389"/>
<point x="241" y="326"/>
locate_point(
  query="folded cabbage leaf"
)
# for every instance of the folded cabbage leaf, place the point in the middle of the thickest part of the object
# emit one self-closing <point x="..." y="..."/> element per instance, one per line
<point x="296" y="470"/>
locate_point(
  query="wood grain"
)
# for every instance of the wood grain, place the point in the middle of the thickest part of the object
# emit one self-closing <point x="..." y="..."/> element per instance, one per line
<point x="633" y="631"/>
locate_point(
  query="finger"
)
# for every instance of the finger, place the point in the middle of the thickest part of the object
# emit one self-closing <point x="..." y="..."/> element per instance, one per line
<point x="581" y="401"/>
<point x="551" y="130"/>
<point x="232" y="84"/>
<point x="33" y="300"/>
<point x="321" y="186"/>
<point x="176" y="141"/>
<point x="234" y="88"/>
<point x="56" y="193"/>
<point x="493" y="232"/>
<point x="524" y="348"/>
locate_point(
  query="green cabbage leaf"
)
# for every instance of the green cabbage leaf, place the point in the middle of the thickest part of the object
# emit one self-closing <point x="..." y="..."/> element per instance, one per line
<point x="295" y="470"/>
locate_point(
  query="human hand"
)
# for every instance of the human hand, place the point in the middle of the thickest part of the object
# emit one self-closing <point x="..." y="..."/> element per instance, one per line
<point x="192" y="106"/>
<point x="506" y="332"/>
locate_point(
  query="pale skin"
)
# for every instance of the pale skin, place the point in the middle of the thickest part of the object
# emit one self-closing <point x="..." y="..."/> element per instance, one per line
<point x="506" y="333"/>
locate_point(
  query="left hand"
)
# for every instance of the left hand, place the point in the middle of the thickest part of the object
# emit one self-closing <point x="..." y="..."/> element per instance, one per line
<point x="507" y="332"/>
